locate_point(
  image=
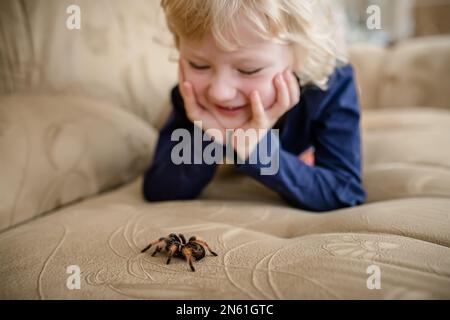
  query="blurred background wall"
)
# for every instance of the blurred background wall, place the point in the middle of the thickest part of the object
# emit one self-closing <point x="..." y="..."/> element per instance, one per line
<point x="400" y="19"/>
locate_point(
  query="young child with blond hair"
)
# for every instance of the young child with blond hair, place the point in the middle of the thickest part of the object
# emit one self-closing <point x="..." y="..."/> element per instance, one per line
<point x="273" y="66"/>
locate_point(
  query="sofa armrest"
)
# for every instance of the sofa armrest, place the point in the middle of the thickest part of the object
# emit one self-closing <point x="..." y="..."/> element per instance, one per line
<point x="58" y="149"/>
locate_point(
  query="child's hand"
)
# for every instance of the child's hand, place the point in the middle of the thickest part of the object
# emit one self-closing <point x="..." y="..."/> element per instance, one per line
<point x="288" y="95"/>
<point x="195" y="112"/>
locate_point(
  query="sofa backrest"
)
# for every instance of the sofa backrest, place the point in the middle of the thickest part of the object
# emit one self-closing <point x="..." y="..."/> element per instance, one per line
<point x="121" y="54"/>
<point x="415" y="72"/>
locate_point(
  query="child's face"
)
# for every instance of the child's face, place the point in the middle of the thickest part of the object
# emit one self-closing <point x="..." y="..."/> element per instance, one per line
<point x="226" y="79"/>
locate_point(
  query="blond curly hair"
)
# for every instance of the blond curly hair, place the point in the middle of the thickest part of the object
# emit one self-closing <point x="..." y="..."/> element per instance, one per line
<point x="307" y="25"/>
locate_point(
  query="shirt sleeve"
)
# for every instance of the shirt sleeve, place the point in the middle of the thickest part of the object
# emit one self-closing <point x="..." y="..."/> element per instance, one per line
<point x="165" y="180"/>
<point x="335" y="180"/>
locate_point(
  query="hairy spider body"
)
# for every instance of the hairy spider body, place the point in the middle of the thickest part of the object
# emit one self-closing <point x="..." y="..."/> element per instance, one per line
<point x="196" y="249"/>
<point x="176" y="246"/>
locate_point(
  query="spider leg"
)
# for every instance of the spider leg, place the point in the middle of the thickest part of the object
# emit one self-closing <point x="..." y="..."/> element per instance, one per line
<point x="146" y="248"/>
<point x="173" y="248"/>
<point x="207" y="247"/>
<point x="160" y="245"/>
<point x="183" y="239"/>
<point x="158" y="249"/>
<point x="151" y="244"/>
<point x="188" y="255"/>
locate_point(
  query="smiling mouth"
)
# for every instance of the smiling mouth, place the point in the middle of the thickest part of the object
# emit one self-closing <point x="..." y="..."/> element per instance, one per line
<point x="232" y="109"/>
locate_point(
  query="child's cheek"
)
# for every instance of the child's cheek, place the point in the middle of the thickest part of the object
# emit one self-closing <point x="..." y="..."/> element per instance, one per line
<point x="266" y="91"/>
<point x="199" y="82"/>
<point x="193" y="78"/>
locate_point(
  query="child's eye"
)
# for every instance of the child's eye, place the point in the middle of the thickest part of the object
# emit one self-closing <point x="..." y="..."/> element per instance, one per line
<point x="250" y="72"/>
<point x="195" y="66"/>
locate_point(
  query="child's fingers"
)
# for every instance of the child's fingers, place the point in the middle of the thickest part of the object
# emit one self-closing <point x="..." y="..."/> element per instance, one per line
<point x="193" y="110"/>
<point x="283" y="98"/>
<point x="293" y="87"/>
<point x="181" y="78"/>
<point x="258" y="112"/>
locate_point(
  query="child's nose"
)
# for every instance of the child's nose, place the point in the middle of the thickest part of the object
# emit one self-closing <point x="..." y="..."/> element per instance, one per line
<point x="221" y="90"/>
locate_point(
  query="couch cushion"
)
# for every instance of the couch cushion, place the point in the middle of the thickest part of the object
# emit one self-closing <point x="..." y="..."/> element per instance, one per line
<point x="406" y="153"/>
<point x="57" y="149"/>
<point x="267" y="250"/>
<point x="413" y="135"/>
<point x="416" y="73"/>
<point x="368" y="61"/>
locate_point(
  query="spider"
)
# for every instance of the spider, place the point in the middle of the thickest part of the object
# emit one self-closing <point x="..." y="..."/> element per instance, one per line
<point x="176" y="246"/>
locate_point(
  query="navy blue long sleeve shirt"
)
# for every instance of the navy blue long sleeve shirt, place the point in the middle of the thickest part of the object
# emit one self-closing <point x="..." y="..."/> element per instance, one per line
<point x="327" y="120"/>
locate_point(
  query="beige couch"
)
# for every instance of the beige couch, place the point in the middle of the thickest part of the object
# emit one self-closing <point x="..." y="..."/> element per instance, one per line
<point x="79" y="116"/>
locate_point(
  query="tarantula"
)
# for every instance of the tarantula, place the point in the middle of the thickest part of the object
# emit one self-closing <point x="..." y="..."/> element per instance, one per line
<point x="176" y="246"/>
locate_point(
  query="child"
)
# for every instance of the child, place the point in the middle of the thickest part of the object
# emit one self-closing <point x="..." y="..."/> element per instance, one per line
<point x="262" y="64"/>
